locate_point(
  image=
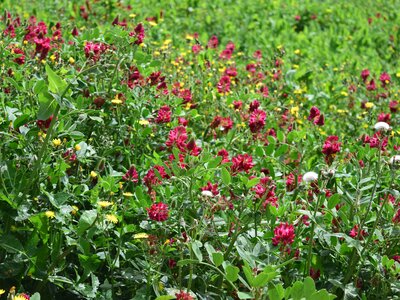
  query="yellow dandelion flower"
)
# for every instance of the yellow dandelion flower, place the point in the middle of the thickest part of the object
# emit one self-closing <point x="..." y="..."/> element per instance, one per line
<point x="343" y="93"/>
<point x="144" y="122"/>
<point x="141" y="235"/>
<point x="112" y="218"/>
<point x="104" y="204"/>
<point x="53" y="58"/>
<point x="2" y="292"/>
<point x="50" y="214"/>
<point x="152" y="23"/>
<point x="56" y="142"/>
<point x="71" y="60"/>
<point x="297" y="51"/>
<point x="78" y="147"/>
<point x="93" y="174"/>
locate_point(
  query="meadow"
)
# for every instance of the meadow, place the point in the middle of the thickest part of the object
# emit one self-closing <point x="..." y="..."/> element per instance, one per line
<point x="199" y="150"/>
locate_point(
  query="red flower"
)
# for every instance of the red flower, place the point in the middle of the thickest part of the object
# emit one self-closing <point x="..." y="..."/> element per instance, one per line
<point x="196" y="48"/>
<point x="384" y="118"/>
<point x="164" y="115"/>
<point x="396" y="218"/>
<point x="354" y="232"/>
<point x="177" y="137"/>
<point x="94" y="50"/>
<point x="213" y="42"/>
<point x="75" y="32"/>
<point x="131" y="175"/>
<point x="213" y="188"/>
<point x="151" y="179"/>
<point x="242" y="163"/>
<point x="385" y="79"/>
<point x="371" y="85"/>
<point x="283" y="234"/>
<point x="331" y="146"/>
<point x="393" y="106"/>
<point x="257" y="120"/>
<point x="138" y="32"/>
<point x="315" y="115"/>
<point x="224" y="84"/>
<point x="364" y="74"/>
<point x="21" y="58"/>
<point x="158" y="212"/>
<point x="183" y="296"/>
<point x="224" y="154"/>
<point x="224" y="124"/>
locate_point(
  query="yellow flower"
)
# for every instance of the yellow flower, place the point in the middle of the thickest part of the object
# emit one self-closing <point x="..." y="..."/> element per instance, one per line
<point x="112" y="218"/>
<point x="295" y="111"/>
<point x="56" y="142"/>
<point x="116" y="101"/>
<point x="93" y="174"/>
<point x="297" y="51"/>
<point x="144" y="122"/>
<point x="71" y="60"/>
<point x="141" y="235"/>
<point x="128" y="194"/>
<point x="50" y="214"/>
<point x="398" y="74"/>
<point x="77" y="147"/>
<point x="369" y="105"/>
<point x="74" y="209"/>
<point x="19" y="297"/>
<point x="2" y="292"/>
<point x="104" y="204"/>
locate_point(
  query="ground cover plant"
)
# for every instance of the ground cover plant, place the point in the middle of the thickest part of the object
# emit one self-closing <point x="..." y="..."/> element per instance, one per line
<point x="199" y="150"/>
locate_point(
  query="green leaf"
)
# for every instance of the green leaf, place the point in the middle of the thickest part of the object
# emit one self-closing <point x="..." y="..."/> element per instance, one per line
<point x="21" y="120"/>
<point x="249" y="274"/>
<point x="262" y="279"/>
<point x="277" y="292"/>
<point x="47" y="105"/>
<point x="252" y="182"/>
<point x="6" y="199"/>
<point x="333" y="201"/>
<point x="214" y="163"/>
<point x="226" y="177"/>
<point x="41" y="224"/>
<point x="35" y="296"/>
<point x="196" y="249"/>
<point x="232" y="273"/>
<point x="165" y="297"/>
<point x="296" y="292"/>
<point x="87" y="219"/>
<point x="56" y="84"/>
<point x="242" y="295"/>
<point x="321" y="295"/>
<point x="217" y="258"/>
<point x="185" y="262"/>
<point x="11" y="244"/>
<point x="309" y="286"/>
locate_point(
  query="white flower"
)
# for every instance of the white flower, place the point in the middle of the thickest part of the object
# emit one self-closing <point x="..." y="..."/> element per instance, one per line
<point x="310" y="176"/>
<point x="382" y="126"/>
<point x="207" y="194"/>
<point x="395" y="160"/>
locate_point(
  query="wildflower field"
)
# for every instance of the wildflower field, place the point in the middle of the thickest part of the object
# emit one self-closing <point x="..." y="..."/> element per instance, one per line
<point x="199" y="149"/>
